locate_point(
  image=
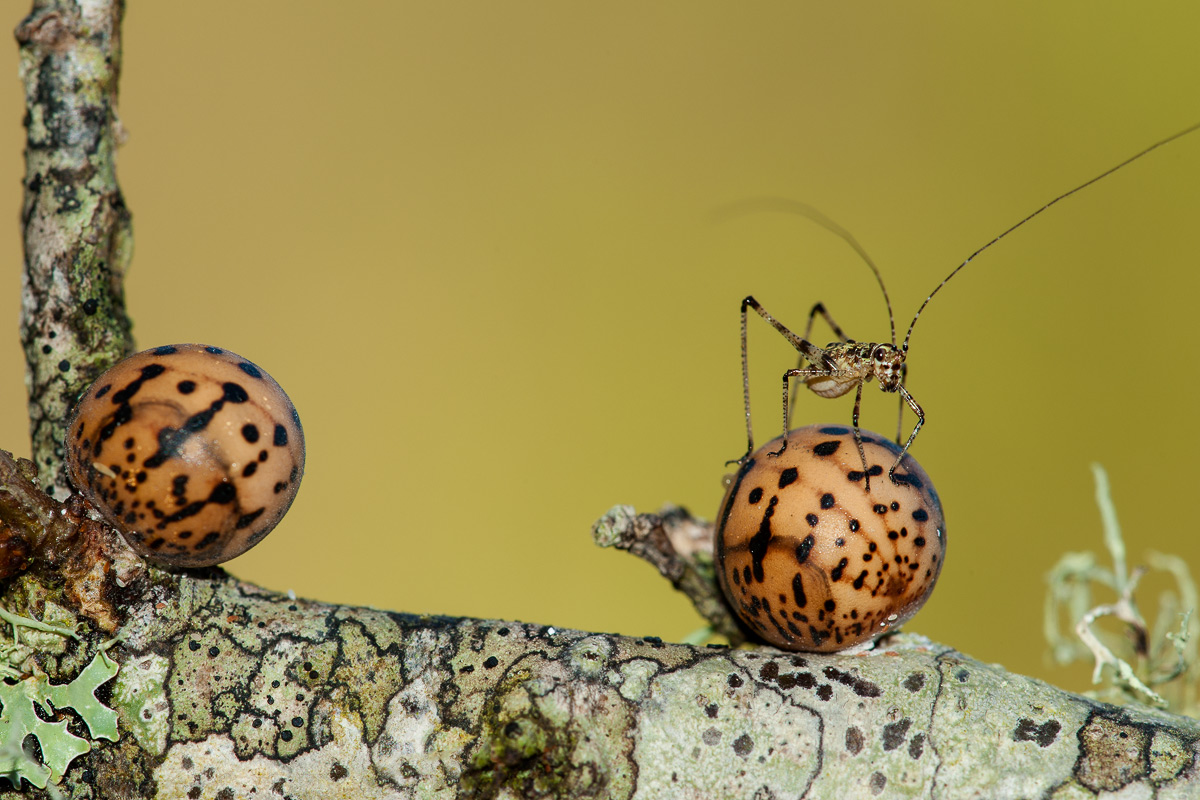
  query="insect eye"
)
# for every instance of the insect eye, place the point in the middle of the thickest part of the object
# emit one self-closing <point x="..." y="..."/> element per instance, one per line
<point x="880" y="352"/>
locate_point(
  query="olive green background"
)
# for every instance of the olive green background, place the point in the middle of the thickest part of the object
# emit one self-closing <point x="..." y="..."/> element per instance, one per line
<point x="476" y="244"/>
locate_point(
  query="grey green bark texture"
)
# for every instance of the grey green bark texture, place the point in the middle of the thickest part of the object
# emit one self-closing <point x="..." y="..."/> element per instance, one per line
<point x="77" y="231"/>
<point x="225" y="690"/>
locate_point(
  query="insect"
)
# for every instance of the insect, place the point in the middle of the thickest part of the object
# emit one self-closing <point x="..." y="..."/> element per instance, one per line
<point x="838" y="367"/>
<point x="192" y="452"/>
<point x="809" y="562"/>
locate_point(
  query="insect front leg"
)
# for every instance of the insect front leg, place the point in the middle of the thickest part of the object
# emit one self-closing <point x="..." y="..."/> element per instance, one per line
<point x="807" y="350"/>
<point x="862" y="456"/>
<point x="908" y="398"/>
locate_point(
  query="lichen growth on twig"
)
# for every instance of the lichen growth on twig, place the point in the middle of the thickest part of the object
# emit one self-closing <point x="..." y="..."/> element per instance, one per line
<point x="1156" y="664"/>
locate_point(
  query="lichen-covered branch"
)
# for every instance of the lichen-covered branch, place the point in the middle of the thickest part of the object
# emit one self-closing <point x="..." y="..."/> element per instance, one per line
<point x="225" y="690"/>
<point x="77" y="230"/>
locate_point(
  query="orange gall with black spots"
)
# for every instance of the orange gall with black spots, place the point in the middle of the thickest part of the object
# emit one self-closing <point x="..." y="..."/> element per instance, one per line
<point x="809" y="560"/>
<point x="192" y="452"/>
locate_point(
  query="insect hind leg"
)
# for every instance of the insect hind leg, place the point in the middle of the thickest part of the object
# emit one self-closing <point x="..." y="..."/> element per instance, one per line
<point x="820" y="309"/>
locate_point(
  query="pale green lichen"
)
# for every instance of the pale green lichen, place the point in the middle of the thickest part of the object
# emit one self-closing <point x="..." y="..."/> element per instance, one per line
<point x="59" y="747"/>
<point x="138" y="694"/>
<point x="1157" y="664"/>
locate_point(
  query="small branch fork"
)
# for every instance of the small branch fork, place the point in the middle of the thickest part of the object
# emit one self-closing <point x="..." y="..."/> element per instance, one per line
<point x="681" y="549"/>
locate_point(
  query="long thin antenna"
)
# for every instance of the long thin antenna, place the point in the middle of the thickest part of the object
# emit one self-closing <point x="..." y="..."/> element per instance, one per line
<point x="786" y="205"/>
<point x="1062" y="196"/>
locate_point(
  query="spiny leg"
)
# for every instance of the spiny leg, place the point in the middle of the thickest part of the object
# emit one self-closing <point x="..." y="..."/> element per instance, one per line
<point x="805" y="374"/>
<point x="807" y="350"/>
<point x="819" y="308"/>
<point x="900" y="400"/>
<point x="862" y="455"/>
<point x="908" y="398"/>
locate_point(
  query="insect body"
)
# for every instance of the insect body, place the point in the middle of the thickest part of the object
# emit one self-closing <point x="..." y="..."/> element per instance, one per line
<point x="840" y="366"/>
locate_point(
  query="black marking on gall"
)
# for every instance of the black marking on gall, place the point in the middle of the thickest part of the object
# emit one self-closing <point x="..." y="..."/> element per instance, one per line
<point x="835" y="574"/>
<point x="920" y="515"/>
<point x="875" y="471"/>
<point x="755" y="495"/>
<point x="281" y="438"/>
<point x="786" y="478"/>
<point x="186" y="387"/>
<point x="830" y="605"/>
<point x="919" y="541"/>
<point x="854" y="476"/>
<point x="760" y="540"/>
<point x="826" y="448"/>
<point x="827" y="501"/>
<point x="250" y="469"/>
<point x="234" y="392"/>
<point x="854" y="526"/>
<point x="165" y="350"/>
<point x="835" y="430"/>
<point x="812" y="520"/>
<point x="804" y="548"/>
<point x="216" y="351"/>
<point x="880" y="509"/>
<point x="250" y="432"/>
<point x="895" y="506"/>
<point x="250" y="369"/>
<point x="103" y="390"/>
<point x="246" y="520"/>
<point x="798" y="590"/>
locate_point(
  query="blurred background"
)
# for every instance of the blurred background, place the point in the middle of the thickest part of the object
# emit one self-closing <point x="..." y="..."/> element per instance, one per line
<point x="475" y="243"/>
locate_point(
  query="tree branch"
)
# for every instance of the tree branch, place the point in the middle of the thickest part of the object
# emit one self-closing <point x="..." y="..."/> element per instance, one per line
<point x="77" y="232"/>
<point x="226" y="690"/>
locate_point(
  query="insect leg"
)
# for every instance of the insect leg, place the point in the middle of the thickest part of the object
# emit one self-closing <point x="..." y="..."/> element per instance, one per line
<point x="862" y="456"/>
<point x="900" y="414"/>
<point x="819" y="308"/>
<point x="908" y="398"/>
<point x="808" y="350"/>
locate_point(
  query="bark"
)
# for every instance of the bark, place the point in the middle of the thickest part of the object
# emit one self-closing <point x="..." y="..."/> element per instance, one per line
<point x="77" y="232"/>
<point x="226" y="690"/>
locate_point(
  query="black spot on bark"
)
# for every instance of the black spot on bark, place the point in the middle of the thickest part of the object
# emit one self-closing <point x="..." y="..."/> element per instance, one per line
<point x="743" y="745"/>
<point x="917" y="746"/>
<point x="1029" y="731"/>
<point x="915" y="682"/>
<point x="854" y="740"/>
<point x="895" y="732"/>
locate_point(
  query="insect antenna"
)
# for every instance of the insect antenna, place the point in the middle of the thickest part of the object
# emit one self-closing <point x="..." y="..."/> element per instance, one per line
<point x="1062" y="196"/>
<point x="788" y="206"/>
